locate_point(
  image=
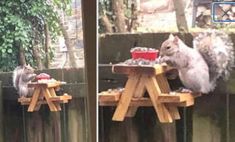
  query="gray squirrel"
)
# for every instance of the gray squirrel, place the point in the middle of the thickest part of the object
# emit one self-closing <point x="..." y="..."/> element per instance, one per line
<point x="22" y="75"/>
<point x="200" y="67"/>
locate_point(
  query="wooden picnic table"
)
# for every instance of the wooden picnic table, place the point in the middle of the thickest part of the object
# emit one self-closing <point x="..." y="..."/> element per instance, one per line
<point x="44" y="93"/>
<point x="141" y="79"/>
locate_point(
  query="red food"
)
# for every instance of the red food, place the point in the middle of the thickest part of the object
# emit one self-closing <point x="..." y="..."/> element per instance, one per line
<point x="43" y="76"/>
<point x="148" y="55"/>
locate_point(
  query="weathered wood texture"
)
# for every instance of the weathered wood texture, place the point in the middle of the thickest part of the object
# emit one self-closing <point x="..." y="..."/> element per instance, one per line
<point x="210" y="119"/>
<point x="68" y="125"/>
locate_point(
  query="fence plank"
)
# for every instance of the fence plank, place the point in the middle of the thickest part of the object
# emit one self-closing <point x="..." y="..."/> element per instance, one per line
<point x="77" y="121"/>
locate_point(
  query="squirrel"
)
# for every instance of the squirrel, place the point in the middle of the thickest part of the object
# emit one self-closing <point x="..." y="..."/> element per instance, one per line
<point x="22" y="75"/>
<point x="211" y="58"/>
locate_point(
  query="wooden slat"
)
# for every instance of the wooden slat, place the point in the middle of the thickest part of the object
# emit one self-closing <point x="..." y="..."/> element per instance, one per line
<point x="23" y="99"/>
<point x="53" y="84"/>
<point x="61" y="98"/>
<point x="173" y="111"/>
<point x="53" y="95"/>
<point x="48" y="96"/>
<point x="182" y="99"/>
<point x="179" y="99"/>
<point x="125" y="99"/>
<point x="47" y="85"/>
<point x="163" y="83"/>
<point x="175" y="97"/>
<point x="43" y="102"/>
<point x="109" y="96"/>
<point x="126" y="69"/>
<point x="154" y="90"/>
<point x="38" y="105"/>
<point x="162" y="68"/>
<point x="139" y="92"/>
<point x="165" y="88"/>
<point x="147" y="69"/>
<point x="34" y="99"/>
<point x="186" y="103"/>
<point x="143" y="102"/>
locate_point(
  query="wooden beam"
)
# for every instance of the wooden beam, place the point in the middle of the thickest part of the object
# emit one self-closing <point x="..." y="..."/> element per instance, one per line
<point x="60" y="98"/>
<point x="47" y="95"/>
<point x="178" y="99"/>
<point x="145" y="102"/>
<point x="154" y="91"/>
<point x="34" y="99"/>
<point x="42" y="102"/>
<point x="125" y="100"/>
<point x="46" y="84"/>
<point x="147" y="69"/>
<point x="106" y="96"/>
<point x="139" y="92"/>
<point x="165" y="88"/>
<point x="53" y="96"/>
<point x="175" y="97"/>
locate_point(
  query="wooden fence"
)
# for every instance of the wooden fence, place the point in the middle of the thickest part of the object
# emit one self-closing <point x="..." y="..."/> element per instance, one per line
<point x="211" y="119"/>
<point x="68" y="125"/>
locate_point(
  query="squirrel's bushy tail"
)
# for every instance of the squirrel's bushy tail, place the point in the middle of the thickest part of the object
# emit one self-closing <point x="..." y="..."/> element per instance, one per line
<point x="16" y="76"/>
<point x="216" y="47"/>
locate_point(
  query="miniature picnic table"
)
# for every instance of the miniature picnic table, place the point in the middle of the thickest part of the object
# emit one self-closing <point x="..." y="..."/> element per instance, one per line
<point x="141" y="79"/>
<point x="44" y="93"/>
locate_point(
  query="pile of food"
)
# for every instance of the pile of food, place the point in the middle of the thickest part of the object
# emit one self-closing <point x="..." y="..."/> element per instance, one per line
<point x="45" y="78"/>
<point x="143" y="56"/>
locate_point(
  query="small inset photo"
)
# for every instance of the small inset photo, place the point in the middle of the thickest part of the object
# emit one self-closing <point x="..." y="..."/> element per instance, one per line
<point x="223" y="11"/>
<point x="43" y="86"/>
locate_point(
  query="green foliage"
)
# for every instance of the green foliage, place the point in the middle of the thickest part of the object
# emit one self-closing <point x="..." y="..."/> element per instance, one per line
<point x="22" y="24"/>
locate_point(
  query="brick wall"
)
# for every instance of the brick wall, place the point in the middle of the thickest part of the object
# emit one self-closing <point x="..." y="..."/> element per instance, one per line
<point x="73" y="24"/>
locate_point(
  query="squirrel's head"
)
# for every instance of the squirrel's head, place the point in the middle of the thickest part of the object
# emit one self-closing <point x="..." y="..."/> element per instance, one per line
<point x="28" y="69"/>
<point x="170" y="46"/>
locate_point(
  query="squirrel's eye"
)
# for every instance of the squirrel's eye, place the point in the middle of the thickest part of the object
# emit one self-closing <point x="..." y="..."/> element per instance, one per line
<point x="168" y="47"/>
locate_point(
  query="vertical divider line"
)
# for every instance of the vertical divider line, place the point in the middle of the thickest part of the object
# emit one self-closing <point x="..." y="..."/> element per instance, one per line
<point x="101" y="117"/>
<point x="24" y="124"/>
<point x="64" y="124"/>
<point x="227" y="118"/>
<point x="185" y="124"/>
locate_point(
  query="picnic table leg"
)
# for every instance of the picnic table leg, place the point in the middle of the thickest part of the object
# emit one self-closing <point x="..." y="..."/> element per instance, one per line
<point x="165" y="88"/>
<point x="40" y="98"/>
<point x="139" y="92"/>
<point x="154" y="91"/>
<point x="34" y="100"/>
<point x="53" y="94"/>
<point x="173" y="111"/>
<point x="125" y="99"/>
<point x="47" y="95"/>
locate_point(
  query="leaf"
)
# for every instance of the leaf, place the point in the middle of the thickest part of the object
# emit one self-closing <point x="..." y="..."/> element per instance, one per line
<point x="3" y="50"/>
<point x="9" y="50"/>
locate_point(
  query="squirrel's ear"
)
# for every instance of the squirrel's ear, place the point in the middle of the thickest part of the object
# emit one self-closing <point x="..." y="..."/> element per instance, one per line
<point x="176" y="39"/>
<point x="171" y="37"/>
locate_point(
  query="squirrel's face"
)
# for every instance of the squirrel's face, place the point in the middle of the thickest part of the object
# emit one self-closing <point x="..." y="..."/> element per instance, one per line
<point x="170" y="46"/>
<point x="28" y="69"/>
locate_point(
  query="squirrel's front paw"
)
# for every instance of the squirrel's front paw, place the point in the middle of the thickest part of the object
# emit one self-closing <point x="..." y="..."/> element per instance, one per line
<point x="184" y="90"/>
